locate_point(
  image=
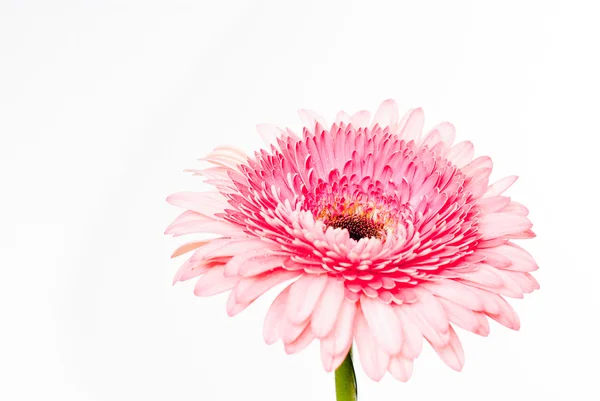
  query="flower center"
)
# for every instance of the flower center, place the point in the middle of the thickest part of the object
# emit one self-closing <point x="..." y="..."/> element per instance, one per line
<point x="358" y="226"/>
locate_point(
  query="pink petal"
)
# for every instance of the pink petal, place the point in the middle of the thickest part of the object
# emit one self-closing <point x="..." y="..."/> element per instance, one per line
<point x="310" y="118"/>
<point x="418" y="316"/>
<point x="520" y="259"/>
<point x="372" y="357"/>
<point x="201" y="254"/>
<point x="401" y="368"/>
<point x="499" y="224"/>
<point x="342" y="117"/>
<point x="526" y="282"/>
<point x="214" y="282"/>
<point x="383" y="323"/>
<point x="411" y="125"/>
<point x="413" y="338"/>
<point x="291" y="331"/>
<point x="261" y="264"/>
<point x="269" y="133"/>
<point x="246" y="247"/>
<point x="301" y="342"/>
<point x="361" y="119"/>
<point x="225" y="156"/>
<point x="249" y="289"/>
<point x="233" y="307"/>
<point x="431" y="310"/>
<point x="461" y="154"/>
<point x="304" y="295"/>
<point x="338" y="341"/>
<point x="447" y="133"/>
<point x="456" y="292"/>
<point x="205" y="203"/>
<point x="467" y="319"/>
<point x="482" y="162"/>
<point x="452" y="354"/>
<point x="491" y="257"/>
<point x="485" y="274"/>
<point x="516" y="208"/>
<point x="327" y="309"/>
<point x="386" y="115"/>
<point x="244" y="252"/>
<point x="274" y="317"/>
<point x="493" y="203"/>
<point x="432" y="138"/>
<point x="343" y="327"/>
<point x="500" y="186"/>
<point x="203" y="224"/>
<point x="498" y="309"/>
<point x="190" y="269"/>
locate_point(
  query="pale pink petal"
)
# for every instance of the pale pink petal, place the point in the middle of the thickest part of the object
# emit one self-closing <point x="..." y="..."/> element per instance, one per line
<point x="485" y="274"/>
<point x="214" y="245"/>
<point x="301" y="342"/>
<point x="452" y="353"/>
<point x="479" y="163"/>
<point x="225" y="156"/>
<point x="310" y="118"/>
<point x="189" y="270"/>
<point x="419" y="319"/>
<point x="269" y="133"/>
<point x="467" y="319"/>
<point x="498" y="224"/>
<point x="372" y="357"/>
<point x="411" y="125"/>
<point x="338" y="341"/>
<point x="304" y="295"/>
<point x="327" y="309"/>
<point x="493" y="204"/>
<point x="432" y="138"/>
<point x="401" y="368"/>
<point x="413" y="338"/>
<point x="516" y="208"/>
<point x="492" y="257"/>
<point x="447" y="133"/>
<point x="431" y="310"/>
<point x="342" y="118"/>
<point x="456" y="292"/>
<point x="526" y="282"/>
<point x="202" y="224"/>
<point x="261" y="264"/>
<point x="361" y="119"/>
<point x="520" y="259"/>
<point x="214" y="282"/>
<point x="291" y="331"/>
<point x="246" y="252"/>
<point x="247" y="290"/>
<point x="233" y="307"/>
<point x="384" y="324"/>
<point x="386" y="115"/>
<point x="205" y="203"/>
<point x="498" y="309"/>
<point x="461" y="153"/>
<point x="500" y="186"/>
<point x="274" y="317"/>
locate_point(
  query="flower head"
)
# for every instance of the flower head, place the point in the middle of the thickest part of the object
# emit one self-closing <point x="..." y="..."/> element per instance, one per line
<point x="385" y="236"/>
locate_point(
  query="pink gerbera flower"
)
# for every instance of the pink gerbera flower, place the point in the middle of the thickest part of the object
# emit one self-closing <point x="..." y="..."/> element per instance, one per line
<point x="385" y="236"/>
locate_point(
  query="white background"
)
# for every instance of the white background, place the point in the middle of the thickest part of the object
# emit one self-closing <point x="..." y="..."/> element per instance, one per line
<point x="103" y="104"/>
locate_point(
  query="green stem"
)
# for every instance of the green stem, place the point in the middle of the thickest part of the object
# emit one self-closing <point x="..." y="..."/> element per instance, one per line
<point x="345" y="380"/>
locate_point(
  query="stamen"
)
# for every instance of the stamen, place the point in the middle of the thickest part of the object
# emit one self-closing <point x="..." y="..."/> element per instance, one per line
<point x="358" y="226"/>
